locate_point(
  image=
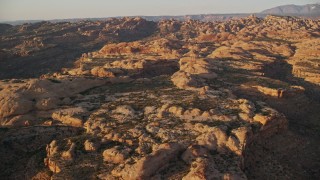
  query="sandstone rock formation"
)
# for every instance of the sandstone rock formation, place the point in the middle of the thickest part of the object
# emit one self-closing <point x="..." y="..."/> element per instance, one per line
<point x="166" y="100"/>
<point x="41" y="96"/>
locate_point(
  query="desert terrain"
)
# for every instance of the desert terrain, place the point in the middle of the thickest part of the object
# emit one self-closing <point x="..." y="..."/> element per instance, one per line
<point x="128" y="98"/>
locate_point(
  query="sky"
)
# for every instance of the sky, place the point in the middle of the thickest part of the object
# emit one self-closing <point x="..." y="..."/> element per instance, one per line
<point x="63" y="9"/>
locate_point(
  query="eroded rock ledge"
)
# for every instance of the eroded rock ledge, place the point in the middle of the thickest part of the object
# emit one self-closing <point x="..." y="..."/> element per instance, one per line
<point x="190" y="131"/>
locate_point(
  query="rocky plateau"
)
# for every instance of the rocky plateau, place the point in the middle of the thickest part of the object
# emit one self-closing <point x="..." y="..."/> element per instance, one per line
<point x="135" y="99"/>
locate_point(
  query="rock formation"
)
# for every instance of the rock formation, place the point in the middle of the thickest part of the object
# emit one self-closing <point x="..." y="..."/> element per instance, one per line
<point x="167" y="100"/>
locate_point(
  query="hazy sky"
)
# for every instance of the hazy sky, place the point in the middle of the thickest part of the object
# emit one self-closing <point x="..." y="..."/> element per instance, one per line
<point x="59" y="9"/>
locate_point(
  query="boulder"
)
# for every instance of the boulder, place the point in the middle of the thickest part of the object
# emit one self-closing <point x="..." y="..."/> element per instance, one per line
<point x="148" y="166"/>
<point x="91" y="146"/>
<point x="202" y="168"/>
<point x="193" y="152"/>
<point x="123" y="113"/>
<point x="70" y="153"/>
<point x="70" y="116"/>
<point x="214" y="139"/>
<point x="238" y="139"/>
<point x="184" y="80"/>
<point x="101" y="72"/>
<point x="116" y="155"/>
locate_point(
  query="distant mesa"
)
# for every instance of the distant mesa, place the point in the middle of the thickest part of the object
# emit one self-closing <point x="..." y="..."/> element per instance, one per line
<point x="309" y="9"/>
